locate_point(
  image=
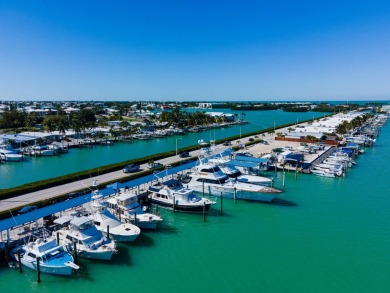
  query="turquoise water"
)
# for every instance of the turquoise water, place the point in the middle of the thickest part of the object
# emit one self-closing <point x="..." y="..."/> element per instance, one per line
<point x="326" y="235"/>
<point x="34" y="169"/>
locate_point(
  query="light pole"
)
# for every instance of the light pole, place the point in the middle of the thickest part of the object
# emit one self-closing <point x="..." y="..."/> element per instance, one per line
<point x="176" y="144"/>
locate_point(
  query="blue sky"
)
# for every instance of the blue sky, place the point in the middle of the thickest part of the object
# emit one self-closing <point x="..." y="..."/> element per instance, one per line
<point x="194" y="50"/>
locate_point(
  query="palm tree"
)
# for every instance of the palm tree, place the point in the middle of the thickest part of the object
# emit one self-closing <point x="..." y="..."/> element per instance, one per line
<point x="271" y="132"/>
<point x="31" y="119"/>
<point x="62" y="124"/>
<point x="77" y="126"/>
<point x="49" y="124"/>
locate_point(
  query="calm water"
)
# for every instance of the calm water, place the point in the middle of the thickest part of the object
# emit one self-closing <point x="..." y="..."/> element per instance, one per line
<point x="34" y="169"/>
<point x="327" y="235"/>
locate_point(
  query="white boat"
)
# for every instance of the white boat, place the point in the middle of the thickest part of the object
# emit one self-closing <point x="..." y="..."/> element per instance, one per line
<point x="106" y="221"/>
<point x="232" y="168"/>
<point x="127" y="208"/>
<point x="233" y="172"/>
<point x="159" y="133"/>
<point x="323" y="172"/>
<point x="53" y="258"/>
<point x="42" y="150"/>
<point x="90" y="242"/>
<point x="210" y="179"/>
<point x="336" y="169"/>
<point x="142" y="136"/>
<point x="59" y="147"/>
<point x="171" y="194"/>
<point x="10" y="156"/>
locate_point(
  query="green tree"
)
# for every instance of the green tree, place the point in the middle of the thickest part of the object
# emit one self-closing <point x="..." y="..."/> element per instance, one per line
<point x="13" y="119"/>
<point x="31" y="119"/>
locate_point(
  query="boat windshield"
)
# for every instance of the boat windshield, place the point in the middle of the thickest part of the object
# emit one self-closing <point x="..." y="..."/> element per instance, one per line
<point x="234" y="174"/>
<point x="213" y="181"/>
<point x="211" y="169"/>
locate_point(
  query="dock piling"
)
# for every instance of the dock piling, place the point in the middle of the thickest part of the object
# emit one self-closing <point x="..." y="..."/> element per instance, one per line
<point x="221" y="204"/>
<point x="204" y="212"/>
<point x="38" y="270"/>
<point x="6" y="251"/>
<point x="19" y="262"/>
<point x="75" y="252"/>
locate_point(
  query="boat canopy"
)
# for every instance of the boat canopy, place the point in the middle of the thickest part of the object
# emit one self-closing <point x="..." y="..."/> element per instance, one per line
<point x="295" y="157"/>
<point x="252" y="159"/>
<point x="80" y="221"/>
<point x="244" y="164"/>
<point x="63" y="220"/>
<point x="172" y="183"/>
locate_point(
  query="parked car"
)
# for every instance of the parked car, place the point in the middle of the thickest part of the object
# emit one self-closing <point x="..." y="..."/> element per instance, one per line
<point x="227" y="143"/>
<point x="251" y="139"/>
<point x="184" y="154"/>
<point x="131" y="168"/>
<point x="27" y="209"/>
<point x="154" y="165"/>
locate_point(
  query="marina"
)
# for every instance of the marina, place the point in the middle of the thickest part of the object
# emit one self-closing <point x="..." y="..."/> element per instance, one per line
<point x="190" y="146"/>
<point x="292" y="201"/>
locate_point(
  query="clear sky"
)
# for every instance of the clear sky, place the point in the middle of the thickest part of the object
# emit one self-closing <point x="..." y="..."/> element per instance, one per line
<point x="194" y="50"/>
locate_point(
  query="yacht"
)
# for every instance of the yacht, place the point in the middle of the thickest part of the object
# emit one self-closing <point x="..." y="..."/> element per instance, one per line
<point x="232" y="172"/>
<point x="53" y="257"/>
<point x="323" y="172"/>
<point x="42" y="150"/>
<point x="210" y="179"/>
<point x="337" y="169"/>
<point x="106" y="222"/>
<point x="10" y="156"/>
<point x="128" y="209"/>
<point x="171" y="194"/>
<point x="90" y="242"/>
<point x="142" y="136"/>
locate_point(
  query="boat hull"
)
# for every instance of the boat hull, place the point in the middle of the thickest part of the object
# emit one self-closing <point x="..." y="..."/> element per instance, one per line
<point x="62" y="270"/>
<point x="240" y="194"/>
<point x="182" y="208"/>
<point x="105" y="255"/>
<point x="13" y="158"/>
<point x="121" y="234"/>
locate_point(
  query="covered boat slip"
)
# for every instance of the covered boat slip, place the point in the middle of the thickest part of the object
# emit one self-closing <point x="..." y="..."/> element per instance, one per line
<point x="20" y="220"/>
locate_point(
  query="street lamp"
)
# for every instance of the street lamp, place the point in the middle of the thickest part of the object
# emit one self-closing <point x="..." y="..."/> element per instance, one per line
<point x="176" y="144"/>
